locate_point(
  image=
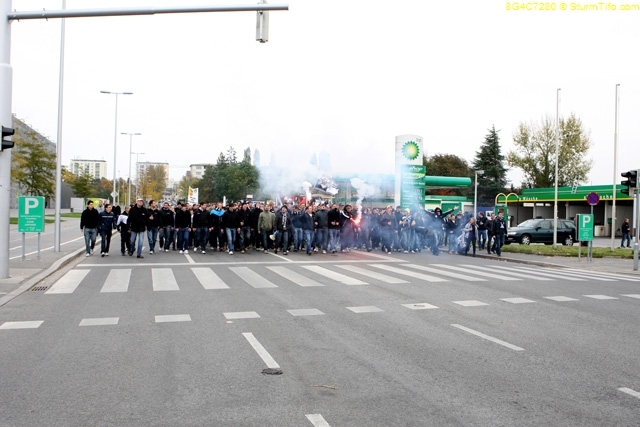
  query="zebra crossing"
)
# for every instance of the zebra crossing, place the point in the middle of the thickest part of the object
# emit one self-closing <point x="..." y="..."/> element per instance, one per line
<point x="164" y="279"/>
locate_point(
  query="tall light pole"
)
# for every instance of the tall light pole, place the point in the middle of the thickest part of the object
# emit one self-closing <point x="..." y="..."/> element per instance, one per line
<point x="115" y="139"/>
<point x="137" y="173"/>
<point x="130" y="153"/>
<point x="555" y="197"/>
<point x="475" y="194"/>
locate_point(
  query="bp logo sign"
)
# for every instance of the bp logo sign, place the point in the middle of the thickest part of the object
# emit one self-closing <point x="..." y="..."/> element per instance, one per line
<point x="410" y="150"/>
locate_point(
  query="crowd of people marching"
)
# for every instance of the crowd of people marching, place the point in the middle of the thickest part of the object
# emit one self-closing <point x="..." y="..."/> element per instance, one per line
<point x="319" y="228"/>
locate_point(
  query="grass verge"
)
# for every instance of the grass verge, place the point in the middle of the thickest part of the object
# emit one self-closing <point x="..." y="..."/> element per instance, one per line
<point x="570" y="251"/>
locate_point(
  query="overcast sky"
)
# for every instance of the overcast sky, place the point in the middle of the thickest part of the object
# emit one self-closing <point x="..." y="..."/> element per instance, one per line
<point x="341" y="76"/>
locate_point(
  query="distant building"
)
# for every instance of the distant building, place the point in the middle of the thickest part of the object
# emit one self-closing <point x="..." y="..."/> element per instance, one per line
<point x="97" y="169"/>
<point x="142" y="167"/>
<point x="25" y="130"/>
<point x="197" y="170"/>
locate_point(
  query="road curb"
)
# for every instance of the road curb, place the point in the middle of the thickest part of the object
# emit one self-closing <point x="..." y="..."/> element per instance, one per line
<point x="32" y="281"/>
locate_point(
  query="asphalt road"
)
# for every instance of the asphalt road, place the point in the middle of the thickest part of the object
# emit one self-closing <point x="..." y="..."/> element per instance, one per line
<point x="361" y="339"/>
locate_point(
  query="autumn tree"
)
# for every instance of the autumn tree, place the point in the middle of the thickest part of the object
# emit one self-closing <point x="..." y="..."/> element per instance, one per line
<point x="152" y="182"/>
<point x="535" y="152"/>
<point x="33" y="165"/>
<point x="490" y="160"/>
<point x="229" y="178"/>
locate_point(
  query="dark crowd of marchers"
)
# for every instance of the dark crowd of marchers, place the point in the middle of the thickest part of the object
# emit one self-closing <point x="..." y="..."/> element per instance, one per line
<point x="314" y="228"/>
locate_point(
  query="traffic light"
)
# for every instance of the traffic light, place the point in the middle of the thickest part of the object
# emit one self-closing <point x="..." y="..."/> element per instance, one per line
<point x="631" y="182"/>
<point x="6" y="143"/>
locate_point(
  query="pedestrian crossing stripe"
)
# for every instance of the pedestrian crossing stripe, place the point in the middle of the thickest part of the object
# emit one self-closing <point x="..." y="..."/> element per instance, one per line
<point x="164" y="279"/>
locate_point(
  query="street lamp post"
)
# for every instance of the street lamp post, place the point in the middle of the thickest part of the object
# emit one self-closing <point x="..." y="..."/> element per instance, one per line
<point x="130" y="153"/>
<point x="475" y="194"/>
<point x="115" y="139"/>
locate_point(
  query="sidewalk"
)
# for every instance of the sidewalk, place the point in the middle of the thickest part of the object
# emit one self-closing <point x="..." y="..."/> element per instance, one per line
<point x="28" y="273"/>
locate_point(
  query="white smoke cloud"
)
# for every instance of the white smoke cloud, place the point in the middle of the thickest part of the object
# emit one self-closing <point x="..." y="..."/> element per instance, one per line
<point x="364" y="190"/>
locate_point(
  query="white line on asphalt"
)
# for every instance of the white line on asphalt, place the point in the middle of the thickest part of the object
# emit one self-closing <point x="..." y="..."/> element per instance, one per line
<point x="33" y="324"/>
<point x="632" y="296"/>
<point x="630" y="392"/>
<point x="191" y="261"/>
<point x="173" y="318"/>
<point x="517" y="300"/>
<point x="487" y="337"/>
<point x="601" y="297"/>
<point x="241" y="315"/>
<point x="317" y="420"/>
<point x="445" y="273"/>
<point x="561" y="299"/>
<point x="477" y="273"/>
<point x="508" y="271"/>
<point x="100" y="321"/>
<point x="237" y="261"/>
<point x="68" y="283"/>
<point x="372" y="274"/>
<point x="117" y="281"/>
<point x="296" y="278"/>
<point x="252" y="278"/>
<point x="164" y="280"/>
<point x="334" y="275"/>
<point x="208" y="279"/>
<point x="413" y="274"/>
<point x="262" y="352"/>
<point x="306" y="312"/>
<point x="47" y="249"/>
<point x="365" y="309"/>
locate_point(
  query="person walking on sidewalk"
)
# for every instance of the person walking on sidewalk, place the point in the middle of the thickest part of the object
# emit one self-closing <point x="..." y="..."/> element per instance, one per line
<point x="626" y="233"/>
<point x="106" y="224"/>
<point x="499" y="231"/>
<point x="89" y="227"/>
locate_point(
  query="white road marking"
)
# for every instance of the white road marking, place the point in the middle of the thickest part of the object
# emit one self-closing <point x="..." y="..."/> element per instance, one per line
<point x="600" y="275"/>
<point x="189" y="259"/>
<point x="630" y="392"/>
<point x="632" y="295"/>
<point x="365" y="309"/>
<point x="117" y="281"/>
<point x="372" y="274"/>
<point x="164" y="280"/>
<point x="317" y="420"/>
<point x="262" y="352"/>
<point x="446" y="273"/>
<point x="173" y="318"/>
<point x="517" y="300"/>
<point x="470" y="268"/>
<point x="562" y="299"/>
<point x="241" y="315"/>
<point x="487" y="337"/>
<point x="33" y="324"/>
<point x="46" y="249"/>
<point x="507" y="271"/>
<point x="419" y="306"/>
<point x="600" y="297"/>
<point x="252" y="278"/>
<point x="100" y="321"/>
<point x="305" y="312"/>
<point x="555" y="274"/>
<point x="470" y="303"/>
<point x="294" y="277"/>
<point x="413" y="274"/>
<point x="69" y="282"/>
<point x="208" y="279"/>
<point x="334" y="276"/>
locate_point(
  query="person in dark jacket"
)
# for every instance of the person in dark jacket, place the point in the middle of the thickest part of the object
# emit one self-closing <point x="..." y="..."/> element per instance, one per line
<point x="183" y="224"/>
<point x="123" y="228"/>
<point x="334" y="228"/>
<point x="201" y="224"/>
<point x="625" y="229"/>
<point x="307" y="225"/>
<point x="499" y="229"/>
<point x="283" y="229"/>
<point x="490" y="241"/>
<point x="481" y="223"/>
<point x="89" y="227"/>
<point x="153" y="225"/>
<point x="165" y="215"/>
<point x="138" y="221"/>
<point x="106" y="223"/>
<point x="322" y="228"/>
<point x="231" y="224"/>
<point x="347" y="229"/>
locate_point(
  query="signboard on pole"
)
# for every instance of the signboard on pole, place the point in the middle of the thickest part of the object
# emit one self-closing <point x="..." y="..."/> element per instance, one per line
<point x="585" y="227"/>
<point x="593" y="198"/>
<point x="31" y="214"/>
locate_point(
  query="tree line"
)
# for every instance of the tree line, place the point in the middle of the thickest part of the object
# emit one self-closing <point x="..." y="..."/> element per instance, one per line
<point x="33" y="167"/>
